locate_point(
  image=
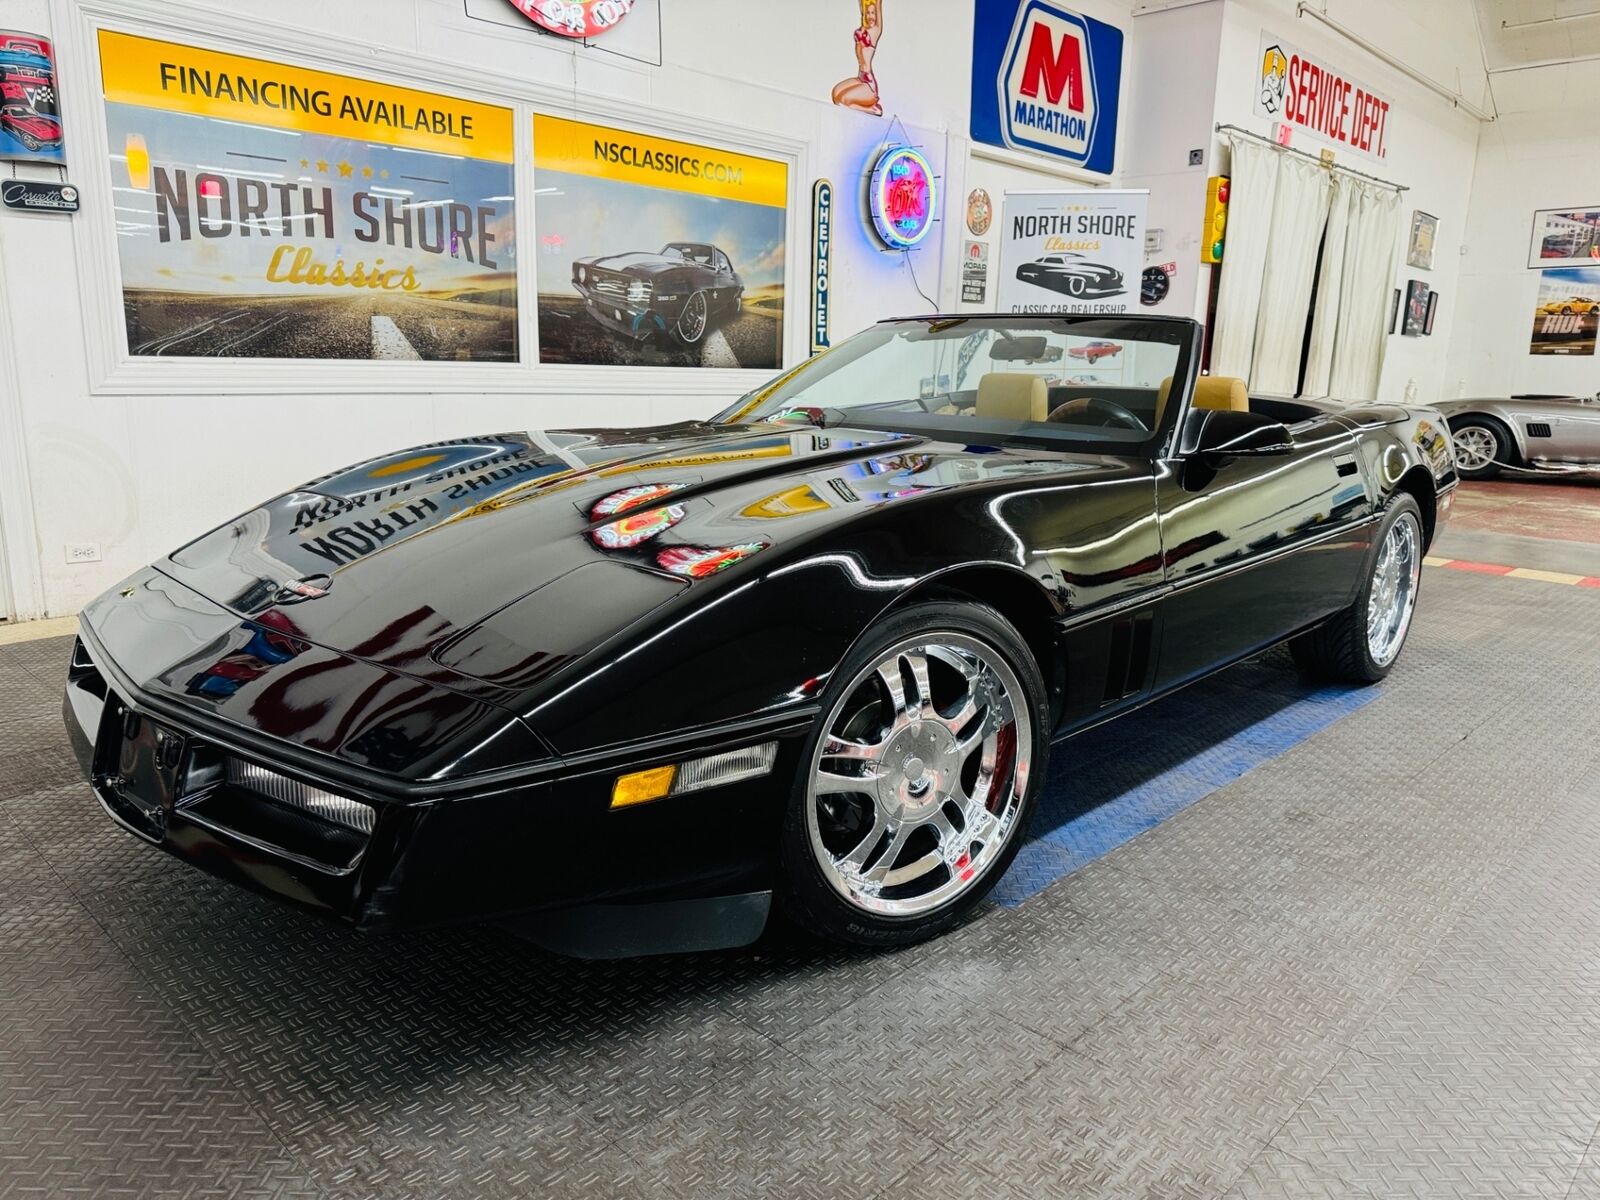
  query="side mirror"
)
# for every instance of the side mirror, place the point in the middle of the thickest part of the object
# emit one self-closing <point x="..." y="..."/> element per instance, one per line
<point x="1215" y="433"/>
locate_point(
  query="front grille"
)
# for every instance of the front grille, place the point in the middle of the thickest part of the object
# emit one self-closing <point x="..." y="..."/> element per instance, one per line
<point x="615" y="286"/>
<point x="291" y="793"/>
<point x="1538" y="429"/>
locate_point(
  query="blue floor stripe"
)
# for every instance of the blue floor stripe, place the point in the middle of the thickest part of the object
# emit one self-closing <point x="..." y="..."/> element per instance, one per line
<point x="1113" y="783"/>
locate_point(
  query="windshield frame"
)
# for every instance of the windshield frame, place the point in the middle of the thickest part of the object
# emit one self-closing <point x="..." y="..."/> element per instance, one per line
<point x="1182" y="332"/>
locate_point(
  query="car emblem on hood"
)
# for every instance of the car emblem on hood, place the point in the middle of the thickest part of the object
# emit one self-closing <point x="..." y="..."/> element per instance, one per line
<point x="310" y="588"/>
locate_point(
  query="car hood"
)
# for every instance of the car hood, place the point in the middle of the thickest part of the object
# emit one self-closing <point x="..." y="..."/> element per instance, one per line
<point x="638" y="262"/>
<point x="38" y="126"/>
<point x="506" y="559"/>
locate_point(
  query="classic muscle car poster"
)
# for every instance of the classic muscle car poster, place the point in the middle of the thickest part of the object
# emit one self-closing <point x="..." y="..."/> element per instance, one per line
<point x="30" y="122"/>
<point x="1077" y="251"/>
<point x="655" y="252"/>
<point x="267" y="211"/>
<point x="1565" y="237"/>
<point x="1565" y="311"/>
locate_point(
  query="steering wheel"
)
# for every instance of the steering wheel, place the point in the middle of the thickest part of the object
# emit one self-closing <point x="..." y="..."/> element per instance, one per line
<point x="1115" y="414"/>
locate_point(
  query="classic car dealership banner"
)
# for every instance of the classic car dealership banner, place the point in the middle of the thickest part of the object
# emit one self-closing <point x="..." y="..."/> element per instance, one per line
<point x="1309" y="94"/>
<point x="30" y="122"/>
<point x="1071" y="251"/>
<point x="1048" y="79"/>
<point x="1566" y="311"/>
<point x="657" y="252"/>
<point x="268" y="211"/>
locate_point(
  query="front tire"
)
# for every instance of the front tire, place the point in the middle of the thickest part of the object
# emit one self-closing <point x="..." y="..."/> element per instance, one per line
<point x="1482" y="446"/>
<point x="693" y="320"/>
<point x="1362" y="643"/>
<point x="918" y="781"/>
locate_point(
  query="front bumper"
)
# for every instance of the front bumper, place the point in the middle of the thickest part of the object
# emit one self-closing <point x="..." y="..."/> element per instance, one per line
<point x="632" y="320"/>
<point x="549" y="844"/>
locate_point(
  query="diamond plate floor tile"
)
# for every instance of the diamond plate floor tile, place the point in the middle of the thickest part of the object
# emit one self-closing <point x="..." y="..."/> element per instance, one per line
<point x="1171" y="1095"/>
<point x="1273" y="1175"/>
<point x="786" y="1129"/>
<point x="45" y="659"/>
<point x="923" y="1055"/>
<point x="1397" y="1131"/>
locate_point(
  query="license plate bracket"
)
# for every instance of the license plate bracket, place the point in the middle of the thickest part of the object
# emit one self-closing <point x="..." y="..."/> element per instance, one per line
<point x="136" y="773"/>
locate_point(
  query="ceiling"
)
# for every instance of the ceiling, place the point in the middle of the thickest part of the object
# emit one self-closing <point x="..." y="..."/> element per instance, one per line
<point x="1519" y="34"/>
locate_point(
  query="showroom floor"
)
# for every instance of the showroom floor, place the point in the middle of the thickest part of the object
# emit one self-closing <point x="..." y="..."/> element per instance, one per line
<point x="1362" y="962"/>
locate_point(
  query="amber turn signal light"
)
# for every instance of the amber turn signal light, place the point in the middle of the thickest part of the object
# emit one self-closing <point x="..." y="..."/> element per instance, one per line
<point x="641" y="786"/>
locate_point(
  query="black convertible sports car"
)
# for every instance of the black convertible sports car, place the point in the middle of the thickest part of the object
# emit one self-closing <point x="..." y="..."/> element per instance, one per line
<point x="624" y="687"/>
<point x="1073" y="274"/>
<point x="683" y="291"/>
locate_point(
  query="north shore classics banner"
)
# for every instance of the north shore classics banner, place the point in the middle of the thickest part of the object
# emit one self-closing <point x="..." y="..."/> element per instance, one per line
<point x="268" y="211"/>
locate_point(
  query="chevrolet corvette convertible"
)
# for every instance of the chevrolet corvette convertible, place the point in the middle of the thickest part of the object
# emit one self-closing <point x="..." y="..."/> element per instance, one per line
<point x="631" y="690"/>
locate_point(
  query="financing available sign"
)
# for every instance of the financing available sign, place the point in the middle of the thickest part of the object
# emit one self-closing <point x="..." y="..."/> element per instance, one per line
<point x="1048" y="79"/>
<point x="269" y="211"/>
<point x="1306" y="93"/>
<point x="1078" y="251"/>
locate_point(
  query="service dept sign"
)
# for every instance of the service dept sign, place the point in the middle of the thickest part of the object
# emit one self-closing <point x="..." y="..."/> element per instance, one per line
<point x="1079" y="251"/>
<point x="1047" y="79"/>
<point x="1307" y="93"/>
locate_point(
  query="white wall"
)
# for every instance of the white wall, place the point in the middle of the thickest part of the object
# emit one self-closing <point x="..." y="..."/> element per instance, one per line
<point x="1541" y="153"/>
<point x="139" y="462"/>
<point x="1431" y="146"/>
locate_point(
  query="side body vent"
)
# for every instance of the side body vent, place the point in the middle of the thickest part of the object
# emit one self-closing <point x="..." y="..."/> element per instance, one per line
<point x="1128" y="656"/>
<point x="1538" y="429"/>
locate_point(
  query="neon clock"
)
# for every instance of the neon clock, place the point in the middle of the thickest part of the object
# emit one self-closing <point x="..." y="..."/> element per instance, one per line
<point x="574" y="18"/>
<point x="901" y="197"/>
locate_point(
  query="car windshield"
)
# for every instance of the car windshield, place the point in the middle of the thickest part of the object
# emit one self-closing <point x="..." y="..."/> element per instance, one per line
<point x="689" y="252"/>
<point x="1102" y="382"/>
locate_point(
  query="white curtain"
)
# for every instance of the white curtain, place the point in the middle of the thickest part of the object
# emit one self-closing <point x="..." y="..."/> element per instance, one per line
<point x="1325" y="323"/>
<point x="1299" y="212"/>
<point x="1251" y="193"/>
<point x="1358" y="337"/>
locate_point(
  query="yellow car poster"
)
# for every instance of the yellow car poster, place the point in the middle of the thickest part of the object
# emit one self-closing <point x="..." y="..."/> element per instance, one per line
<point x="1566" y="311"/>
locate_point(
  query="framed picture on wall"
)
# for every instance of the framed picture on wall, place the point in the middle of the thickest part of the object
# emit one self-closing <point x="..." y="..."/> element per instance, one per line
<point x="1394" y="311"/>
<point x="1416" y="308"/>
<point x="1433" y="307"/>
<point x="1565" y="237"/>
<point x="1424" y="232"/>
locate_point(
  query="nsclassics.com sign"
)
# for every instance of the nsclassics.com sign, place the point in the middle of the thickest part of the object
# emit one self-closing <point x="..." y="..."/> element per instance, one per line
<point x="1079" y="251"/>
<point x="1048" y="79"/>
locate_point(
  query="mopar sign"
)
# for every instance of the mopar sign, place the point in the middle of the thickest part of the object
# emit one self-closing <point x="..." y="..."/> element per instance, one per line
<point x="1046" y="78"/>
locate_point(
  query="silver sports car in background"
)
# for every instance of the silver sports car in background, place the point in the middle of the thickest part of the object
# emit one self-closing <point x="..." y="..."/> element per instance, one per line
<point x="1542" y="433"/>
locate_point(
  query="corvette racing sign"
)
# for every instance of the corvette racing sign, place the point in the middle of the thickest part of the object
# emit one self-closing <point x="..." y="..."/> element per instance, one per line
<point x="1048" y="79"/>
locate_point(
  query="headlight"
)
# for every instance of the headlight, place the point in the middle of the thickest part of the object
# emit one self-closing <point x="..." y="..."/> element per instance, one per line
<point x="583" y="273"/>
<point x="638" y="291"/>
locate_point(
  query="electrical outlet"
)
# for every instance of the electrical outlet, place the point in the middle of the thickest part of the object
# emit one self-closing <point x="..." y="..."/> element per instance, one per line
<point x="82" y="552"/>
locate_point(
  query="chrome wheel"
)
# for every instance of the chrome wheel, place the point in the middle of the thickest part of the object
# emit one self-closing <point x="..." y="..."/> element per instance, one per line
<point x="1393" y="596"/>
<point x="692" y="320"/>
<point x="920" y="774"/>
<point x="1476" y="447"/>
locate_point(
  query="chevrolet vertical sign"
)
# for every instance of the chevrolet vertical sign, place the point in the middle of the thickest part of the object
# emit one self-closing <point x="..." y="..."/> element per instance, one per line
<point x="821" y="261"/>
<point x="1046" y="79"/>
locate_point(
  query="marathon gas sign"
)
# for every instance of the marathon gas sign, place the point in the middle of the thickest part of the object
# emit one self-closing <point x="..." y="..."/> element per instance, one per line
<point x="1046" y="78"/>
<point x="1309" y="94"/>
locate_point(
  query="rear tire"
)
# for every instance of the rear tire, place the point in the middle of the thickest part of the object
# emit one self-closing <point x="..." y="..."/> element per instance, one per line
<point x="951" y="772"/>
<point x="1361" y="643"/>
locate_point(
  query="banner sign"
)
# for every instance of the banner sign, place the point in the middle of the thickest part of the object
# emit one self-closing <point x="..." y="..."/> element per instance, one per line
<point x="1308" y="94"/>
<point x="821" y="261"/>
<point x="657" y="252"/>
<point x="268" y="211"/>
<point x="1566" y="311"/>
<point x="1079" y="251"/>
<point x="1048" y="79"/>
<point x="30" y="121"/>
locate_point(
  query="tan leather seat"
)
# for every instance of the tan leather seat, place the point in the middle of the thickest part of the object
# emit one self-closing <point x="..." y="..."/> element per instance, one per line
<point x="1162" y="393"/>
<point x="1013" y="396"/>
<point x="1221" y="393"/>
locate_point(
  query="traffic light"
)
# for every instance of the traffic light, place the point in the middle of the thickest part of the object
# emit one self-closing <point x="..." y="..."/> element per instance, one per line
<point x="1215" y="231"/>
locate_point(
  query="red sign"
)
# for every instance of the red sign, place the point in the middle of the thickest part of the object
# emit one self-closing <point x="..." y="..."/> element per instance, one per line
<point x="1300" y="91"/>
<point x="574" y="18"/>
